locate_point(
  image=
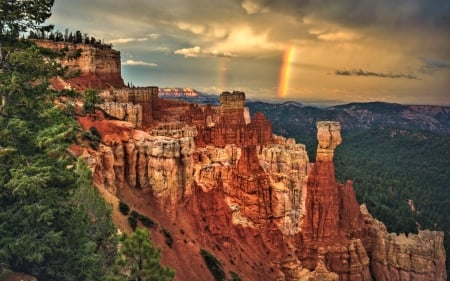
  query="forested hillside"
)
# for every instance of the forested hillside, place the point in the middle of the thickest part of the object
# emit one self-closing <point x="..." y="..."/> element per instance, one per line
<point x="53" y="223"/>
<point x="402" y="176"/>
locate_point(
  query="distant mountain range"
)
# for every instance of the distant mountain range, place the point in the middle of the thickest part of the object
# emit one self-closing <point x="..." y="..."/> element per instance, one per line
<point x="292" y="118"/>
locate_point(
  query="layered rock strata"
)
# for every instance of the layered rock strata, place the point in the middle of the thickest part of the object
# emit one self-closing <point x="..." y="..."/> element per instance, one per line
<point x="162" y="165"/>
<point x="241" y="184"/>
<point x="404" y="257"/>
<point x="99" y="66"/>
<point x="271" y="188"/>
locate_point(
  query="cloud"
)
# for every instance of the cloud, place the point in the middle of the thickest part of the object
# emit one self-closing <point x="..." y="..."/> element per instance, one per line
<point x="191" y="27"/>
<point x="127" y="40"/>
<point x="139" y="63"/>
<point x="433" y="65"/>
<point x="198" y="52"/>
<point x="153" y="35"/>
<point x="189" y="52"/>
<point x="361" y="72"/>
<point x="339" y="36"/>
<point x="253" y="7"/>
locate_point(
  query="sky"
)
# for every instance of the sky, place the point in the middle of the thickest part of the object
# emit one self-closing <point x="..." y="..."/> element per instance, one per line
<point x="311" y="51"/>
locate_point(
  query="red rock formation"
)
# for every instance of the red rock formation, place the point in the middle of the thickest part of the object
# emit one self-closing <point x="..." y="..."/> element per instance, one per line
<point x="271" y="191"/>
<point x="232" y="126"/>
<point x="399" y="257"/>
<point x="99" y="66"/>
<point x="240" y="187"/>
<point x="332" y="215"/>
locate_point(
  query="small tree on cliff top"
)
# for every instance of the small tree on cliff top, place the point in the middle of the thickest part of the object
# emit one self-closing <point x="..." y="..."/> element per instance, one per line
<point x="139" y="260"/>
<point x="91" y="98"/>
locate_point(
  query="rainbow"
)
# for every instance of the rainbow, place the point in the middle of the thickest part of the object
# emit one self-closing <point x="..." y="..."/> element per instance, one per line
<point x="285" y="71"/>
<point x="222" y="79"/>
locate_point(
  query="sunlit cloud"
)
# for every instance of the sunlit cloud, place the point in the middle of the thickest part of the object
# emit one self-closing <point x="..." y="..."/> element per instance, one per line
<point x="139" y="63"/>
<point x="189" y="52"/>
<point x="198" y="52"/>
<point x="339" y="36"/>
<point x="191" y="27"/>
<point x="126" y="40"/>
<point x="242" y="39"/>
<point x="252" y="7"/>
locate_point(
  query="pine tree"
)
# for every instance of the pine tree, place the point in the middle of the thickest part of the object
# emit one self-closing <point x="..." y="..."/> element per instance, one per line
<point x="44" y="230"/>
<point x="139" y="260"/>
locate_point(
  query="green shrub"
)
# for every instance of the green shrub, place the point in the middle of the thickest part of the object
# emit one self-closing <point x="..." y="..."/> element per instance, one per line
<point x="168" y="236"/>
<point x="146" y="221"/>
<point x="235" y="276"/>
<point x="124" y="208"/>
<point x="93" y="137"/>
<point x="134" y="214"/>
<point x="133" y="222"/>
<point x="214" y="265"/>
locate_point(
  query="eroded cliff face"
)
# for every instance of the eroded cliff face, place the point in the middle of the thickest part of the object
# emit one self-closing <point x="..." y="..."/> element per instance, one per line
<point x="231" y="177"/>
<point x="99" y="67"/>
<point x="162" y="166"/>
<point x="404" y="257"/>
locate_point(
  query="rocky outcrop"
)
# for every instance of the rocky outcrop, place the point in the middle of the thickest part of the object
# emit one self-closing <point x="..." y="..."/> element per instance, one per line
<point x="124" y="111"/>
<point x="329" y="239"/>
<point x="211" y="161"/>
<point x="287" y="165"/>
<point x="99" y="66"/>
<point x="159" y="164"/>
<point x="404" y="257"/>
<point x="328" y="137"/>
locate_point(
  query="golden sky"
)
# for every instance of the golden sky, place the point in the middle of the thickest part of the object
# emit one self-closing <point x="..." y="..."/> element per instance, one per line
<point x="304" y="50"/>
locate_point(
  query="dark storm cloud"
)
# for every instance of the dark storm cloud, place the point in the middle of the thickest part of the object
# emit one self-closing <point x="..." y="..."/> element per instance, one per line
<point x="433" y="65"/>
<point x="437" y="63"/>
<point x="361" y="72"/>
<point x="367" y="12"/>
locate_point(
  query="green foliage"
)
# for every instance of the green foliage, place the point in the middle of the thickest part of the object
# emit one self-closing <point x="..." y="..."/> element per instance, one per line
<point x="139" y="260"/>
<point x="91" y="98"/>
<point x="146" y="221"/>
<point x="101" y="229"/>
<point x="403" y="164"/>
<point x="52" y="223"/>
<point x="167" y="236"/>
<point x="124" y="208"/>
<point x="24" y="83"/>
<point x="132" y="219"/>
<point x="74" y="54"/>
<point x="93" y="137"/>
<point x="235" y="276"/>
<point x="20" y="16"/>
<point x="214" y="265"/>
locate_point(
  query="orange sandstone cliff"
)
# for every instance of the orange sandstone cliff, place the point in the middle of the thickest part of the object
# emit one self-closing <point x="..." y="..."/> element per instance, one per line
<point x="99" y="66"/>
<point x="216" y="178"/>
<point x="240" y="186"/>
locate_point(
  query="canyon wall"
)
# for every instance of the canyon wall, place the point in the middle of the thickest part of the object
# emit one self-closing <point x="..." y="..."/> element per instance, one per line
<point x="271" y="188"/>
<point x="241" y="187"/>
<point x="99" y="66"/>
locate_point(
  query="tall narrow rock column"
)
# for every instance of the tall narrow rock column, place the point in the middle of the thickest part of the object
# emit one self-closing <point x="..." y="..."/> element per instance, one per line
<point x="329" y="137"/>
<point x="322" y="200"/>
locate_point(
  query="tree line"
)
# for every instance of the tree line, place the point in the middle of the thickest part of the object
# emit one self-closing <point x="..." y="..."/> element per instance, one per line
<point x="69" y="37"/>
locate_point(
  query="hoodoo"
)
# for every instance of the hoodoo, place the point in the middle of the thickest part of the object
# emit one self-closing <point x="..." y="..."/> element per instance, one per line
<point x="251" y="197"/>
